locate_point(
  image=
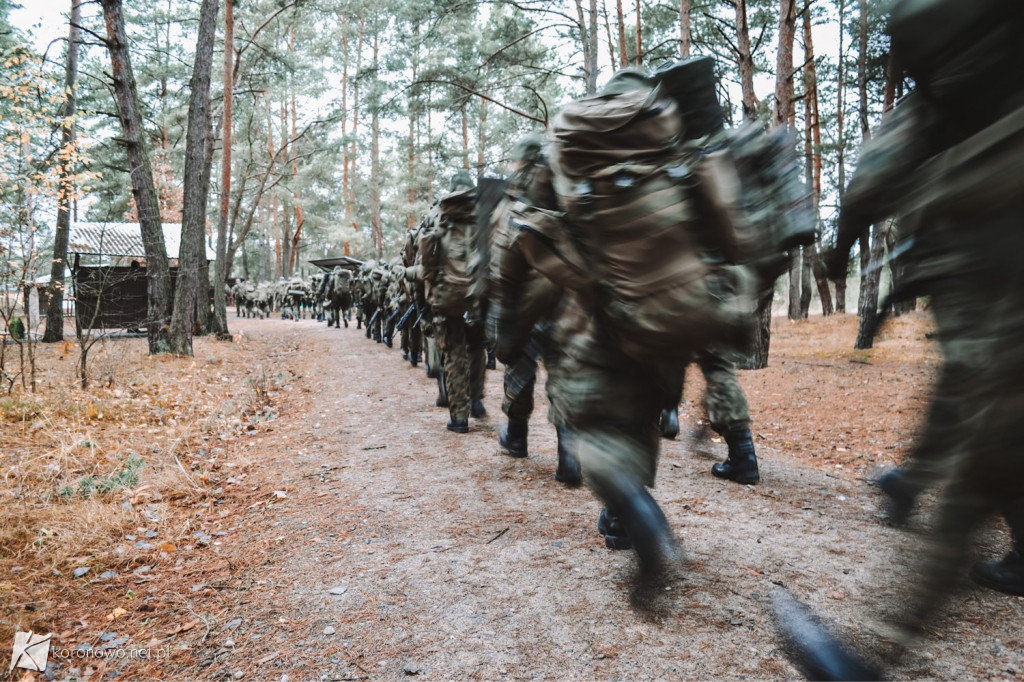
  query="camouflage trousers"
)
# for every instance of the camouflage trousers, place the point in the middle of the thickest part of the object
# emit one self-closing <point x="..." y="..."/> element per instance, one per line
<point x="724" y="400"/>
<point x="972" y="434"/>
<point x="521" y="376"/>
<point x="464" y="358"/>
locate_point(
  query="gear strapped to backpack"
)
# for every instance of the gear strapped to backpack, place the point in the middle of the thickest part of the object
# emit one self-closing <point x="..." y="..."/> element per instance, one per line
<point x="444" y="247"/>
<point x="625" y="236"/>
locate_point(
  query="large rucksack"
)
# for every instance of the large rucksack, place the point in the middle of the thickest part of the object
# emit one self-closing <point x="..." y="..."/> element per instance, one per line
<point x="444" y="245"/>
<point x="634" y="248"/>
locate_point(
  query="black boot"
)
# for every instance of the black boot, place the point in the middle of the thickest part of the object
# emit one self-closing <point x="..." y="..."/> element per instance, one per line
<point x="492" y="362"/>
<point x="512" y="438"/>
<point x="477" y="409"/>
<point x="813" y="649"/>
<point x="741" y="464"/>
<point x="670" y="423"/>
<point x="614" y="532"/>
<point x="647" y="529"/>
<point x="1005" y="575"/>
<point x="568" y="471"/>
<point x="414" y="359"/>
<point x="458" y="425"/>
<point x="899" y="496"/>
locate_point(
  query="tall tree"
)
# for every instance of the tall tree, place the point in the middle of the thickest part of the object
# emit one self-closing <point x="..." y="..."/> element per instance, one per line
<point x="197" y="184"/>
<point x="55" y="306"/>
<point x="126" y="99"/>
<point x="782" y="114"/>
<point x="221" y="267"/>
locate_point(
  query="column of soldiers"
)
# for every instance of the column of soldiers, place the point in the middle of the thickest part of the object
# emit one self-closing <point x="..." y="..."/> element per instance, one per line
<point x="609" y="404"/>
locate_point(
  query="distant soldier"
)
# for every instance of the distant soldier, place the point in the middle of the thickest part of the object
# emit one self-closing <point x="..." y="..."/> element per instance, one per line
<point x="949" y="160"/>
<point x="444" y="246"/>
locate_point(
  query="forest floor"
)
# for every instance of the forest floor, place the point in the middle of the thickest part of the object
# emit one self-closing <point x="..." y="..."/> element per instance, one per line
<point x="290" y="506"/>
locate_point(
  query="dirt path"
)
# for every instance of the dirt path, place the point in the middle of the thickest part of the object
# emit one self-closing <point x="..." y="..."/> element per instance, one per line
<point x="449" y="560"/>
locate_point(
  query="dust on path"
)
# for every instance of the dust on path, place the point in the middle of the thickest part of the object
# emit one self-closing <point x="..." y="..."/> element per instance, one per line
<point x="453" y="561"/>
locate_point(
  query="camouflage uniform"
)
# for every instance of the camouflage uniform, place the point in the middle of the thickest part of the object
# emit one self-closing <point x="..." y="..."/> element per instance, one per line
<point x="460" y="345"/>
<point x="966" y="256"/>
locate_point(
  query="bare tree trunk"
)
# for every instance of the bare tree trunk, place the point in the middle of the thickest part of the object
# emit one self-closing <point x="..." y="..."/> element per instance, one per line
<point x="639" y="35"/>
<point x="745" y="60"/>
<point x="375" y="218"/>
<point x="222" y="268"/>
<point x="623" y="56"/>
<point x="796" y="267"/>
<point x="126" y="99"/>
<point x="685" y="29"/>
<point x="812" y="149"/>
<point x="758" y="357"/>
<point x="197" y="184"/>
<point x="55" y="303"/>
<point x="299" y="220"/>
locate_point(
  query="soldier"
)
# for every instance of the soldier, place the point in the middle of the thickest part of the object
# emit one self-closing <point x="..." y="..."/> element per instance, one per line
<point x="521" y="376"/>
<point x="444" y="248"/>
<point x="950" y="158"/>
<point x="728" y="414"/>
<point x="603" y="385"/>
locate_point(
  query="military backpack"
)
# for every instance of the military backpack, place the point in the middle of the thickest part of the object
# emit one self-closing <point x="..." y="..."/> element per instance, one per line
<point x="444" y="246"/>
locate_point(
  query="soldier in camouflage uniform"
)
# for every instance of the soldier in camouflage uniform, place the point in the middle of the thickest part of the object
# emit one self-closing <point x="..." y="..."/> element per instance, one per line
<point x="949" y="158"/>
<point x="728" y="414"/>
<point x="460" y="343"/>
<point x="521" y="376"/>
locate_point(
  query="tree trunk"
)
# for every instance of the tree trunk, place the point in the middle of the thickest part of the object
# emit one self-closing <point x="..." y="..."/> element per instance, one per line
<point x="189" y="289"/>
<point x="376" y="226"/>
<point x="623" y="56"/>
<point x="745" y="60"/>
<point x="221" y="269"/>
<point x="639" y="36"/>
<point x="818" y="271"/>
<point x="841" y="139"/>
<point x="812" y="149"/>
<point x="55" y="304"/>
<point x="126" y="99"/>
<point x="758" y="358"/>
<point x="868" y="310"/>
<point x="685" y="29"/>
<point x="300" y="222"/>
<point x="796" y="266"/>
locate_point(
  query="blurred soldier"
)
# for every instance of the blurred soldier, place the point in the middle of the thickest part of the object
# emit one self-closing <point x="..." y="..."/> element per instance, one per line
<point x="445" y="246"/>
<point x="521" y="376"/>
<point x="604" y="218"/>
<point x="950" y="160"/>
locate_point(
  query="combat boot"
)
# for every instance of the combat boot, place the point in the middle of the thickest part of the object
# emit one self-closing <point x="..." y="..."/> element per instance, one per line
<point x="670" y="423"/>
<point x="512" y="438"/>
<point x="614" y="532"/>
<point x="492" y="362"/>
<point x="458" y="425"/>
<point x="900" y="495"/>
<point x="1005" y="575"/>
<point x="477" y="409"/>
<point x="568" y="471"/>
<point x="647" y="528"/>
<point x="812" y="649"/>
<point x="741" y="464"/>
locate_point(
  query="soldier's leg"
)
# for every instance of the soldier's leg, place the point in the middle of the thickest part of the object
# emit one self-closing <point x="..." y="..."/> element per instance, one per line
<point x="517" y="404"/>
<point x="1006" y="574"/>
<point x="439" y="333"/>
<point x="456" y="373"/>
<point x="669" y="421"/>
<point x="730" y="417"/>
<point x="619" y="462"/>
<point x="476" y="347"/>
